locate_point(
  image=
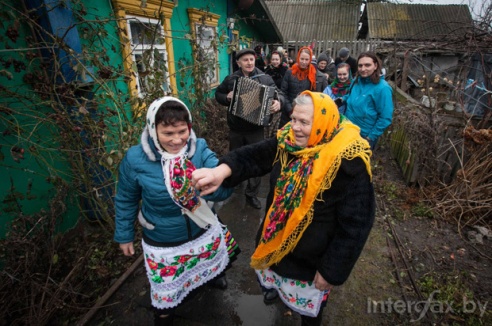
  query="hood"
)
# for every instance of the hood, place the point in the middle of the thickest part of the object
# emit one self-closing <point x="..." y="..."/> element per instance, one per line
<point x="149" y="140"/>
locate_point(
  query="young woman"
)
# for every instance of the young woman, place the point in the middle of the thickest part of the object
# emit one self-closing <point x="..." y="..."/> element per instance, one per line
<point x="276" y="69"/>
<point x="341" y="85"/>
<point x="183" y="242"/>
<point x="301" y="77"/>
<point x="321" y="203"/>
<point x="370" y="100"/>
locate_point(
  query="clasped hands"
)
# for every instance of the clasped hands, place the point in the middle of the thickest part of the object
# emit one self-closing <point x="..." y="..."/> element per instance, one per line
<point x="208" y="180"/>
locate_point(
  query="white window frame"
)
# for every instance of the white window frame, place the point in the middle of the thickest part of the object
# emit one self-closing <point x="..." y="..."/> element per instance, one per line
<point x="209" y="22"/>
<point x="205" y="45"/>
<point x="140" y="49"/>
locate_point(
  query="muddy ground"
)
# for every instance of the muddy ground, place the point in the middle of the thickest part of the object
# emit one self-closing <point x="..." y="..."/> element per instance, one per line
<point x="415" y="270"/>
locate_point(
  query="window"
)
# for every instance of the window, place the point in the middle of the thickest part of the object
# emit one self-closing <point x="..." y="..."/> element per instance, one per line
<point x="139" y="27"/>
<point x="149" y="54"/>
<point x="204" y="29"/>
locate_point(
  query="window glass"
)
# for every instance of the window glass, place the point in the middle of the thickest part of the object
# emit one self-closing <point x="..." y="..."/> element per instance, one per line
<point x="149" y="55"/>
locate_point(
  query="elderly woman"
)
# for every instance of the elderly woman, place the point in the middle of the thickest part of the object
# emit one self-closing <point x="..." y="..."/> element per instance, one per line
<point x="321" y="203"/>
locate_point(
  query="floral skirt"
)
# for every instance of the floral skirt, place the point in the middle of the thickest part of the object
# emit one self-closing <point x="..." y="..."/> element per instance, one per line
<point x="174" y="272"/>
<point x="300" y="296"/>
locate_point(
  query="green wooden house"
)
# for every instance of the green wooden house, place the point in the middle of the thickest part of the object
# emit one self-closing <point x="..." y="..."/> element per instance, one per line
<point x="75" y="76"/>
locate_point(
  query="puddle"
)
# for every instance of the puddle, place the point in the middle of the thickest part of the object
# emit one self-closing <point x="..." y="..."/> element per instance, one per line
<point x="252" y="311"/>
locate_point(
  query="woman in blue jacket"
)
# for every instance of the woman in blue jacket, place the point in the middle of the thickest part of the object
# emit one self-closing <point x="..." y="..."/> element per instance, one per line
<point x="183" y="242"/>
<point x="370" y="100"/>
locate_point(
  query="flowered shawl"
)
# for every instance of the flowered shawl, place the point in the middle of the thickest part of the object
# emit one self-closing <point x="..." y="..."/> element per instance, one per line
<point x="304" y="178"/>
<point x="309" y="73"/>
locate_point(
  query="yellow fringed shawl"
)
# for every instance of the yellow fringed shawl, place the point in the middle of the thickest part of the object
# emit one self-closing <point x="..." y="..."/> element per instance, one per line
<point x="332" y="139"/>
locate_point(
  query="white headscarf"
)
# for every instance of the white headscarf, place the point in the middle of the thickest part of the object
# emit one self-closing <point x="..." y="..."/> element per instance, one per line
<point x="191" y="204"/>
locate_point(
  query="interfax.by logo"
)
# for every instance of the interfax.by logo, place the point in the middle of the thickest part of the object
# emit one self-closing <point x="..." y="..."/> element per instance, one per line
<point x="423" y="307"/>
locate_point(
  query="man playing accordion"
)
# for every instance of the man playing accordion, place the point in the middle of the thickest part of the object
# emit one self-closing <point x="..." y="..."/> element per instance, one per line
<point x="241" y="131"/>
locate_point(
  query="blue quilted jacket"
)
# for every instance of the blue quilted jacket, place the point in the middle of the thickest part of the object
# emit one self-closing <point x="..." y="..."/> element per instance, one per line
<point x="141" y="184"/>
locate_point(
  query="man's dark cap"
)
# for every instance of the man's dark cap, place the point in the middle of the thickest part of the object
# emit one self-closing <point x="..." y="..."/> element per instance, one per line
<point x="242" y="52"/>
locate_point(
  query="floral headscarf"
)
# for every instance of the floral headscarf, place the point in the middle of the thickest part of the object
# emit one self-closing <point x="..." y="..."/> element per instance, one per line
<point x="303" y="179"/>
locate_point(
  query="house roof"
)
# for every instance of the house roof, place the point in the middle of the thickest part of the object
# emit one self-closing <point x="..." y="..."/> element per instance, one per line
<point x="416" y="21"/>
<point x="307" y="20"/>
<point x="258" y="16"/>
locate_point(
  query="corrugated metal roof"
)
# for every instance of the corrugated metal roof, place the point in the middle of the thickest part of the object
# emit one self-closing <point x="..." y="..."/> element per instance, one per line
<point x="416" y="21"/>
<point x="306" y="20"/>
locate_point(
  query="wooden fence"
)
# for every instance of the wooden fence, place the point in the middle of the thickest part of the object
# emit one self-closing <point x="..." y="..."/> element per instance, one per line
<point x="418" y="165"/>
<point x="330" y="47"/>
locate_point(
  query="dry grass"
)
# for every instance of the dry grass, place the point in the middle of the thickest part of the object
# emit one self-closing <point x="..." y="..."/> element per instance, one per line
<point x="468" y="199"/>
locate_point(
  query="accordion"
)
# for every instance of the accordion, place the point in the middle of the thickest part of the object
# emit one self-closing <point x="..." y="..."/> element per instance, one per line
<point x="251" y="101"/>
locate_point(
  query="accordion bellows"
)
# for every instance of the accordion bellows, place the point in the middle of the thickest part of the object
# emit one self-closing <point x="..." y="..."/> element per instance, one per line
<point x="251" y="101"/>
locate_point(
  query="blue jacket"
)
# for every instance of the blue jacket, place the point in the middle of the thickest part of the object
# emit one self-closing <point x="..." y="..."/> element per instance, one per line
<point x="370" y="106"/>
<point x="141" y="183"/>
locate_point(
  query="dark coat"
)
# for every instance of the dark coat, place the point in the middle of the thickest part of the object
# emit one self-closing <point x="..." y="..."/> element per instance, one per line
<point x="291" y="87"/>
<point x="277" y="73"/>
<point x="260" y="63"/>
<point x="341" y="222"/>
<point x="236" y="123"/>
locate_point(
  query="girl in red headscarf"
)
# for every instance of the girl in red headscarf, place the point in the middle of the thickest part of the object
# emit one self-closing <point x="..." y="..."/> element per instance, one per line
<point x="303" y="76"/>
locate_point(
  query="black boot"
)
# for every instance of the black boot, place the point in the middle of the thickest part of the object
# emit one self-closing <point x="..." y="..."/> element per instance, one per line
<point x="312" y="321"/>
<point x="253" y="201"/>
<point x="270" y="296"/>
<point x="220" y="282"/>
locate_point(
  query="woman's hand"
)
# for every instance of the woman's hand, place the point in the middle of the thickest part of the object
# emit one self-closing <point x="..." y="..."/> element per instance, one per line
<point x="127" y="248"/>
<point x="208" y="180"/>
<point x="320" y="283"/>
